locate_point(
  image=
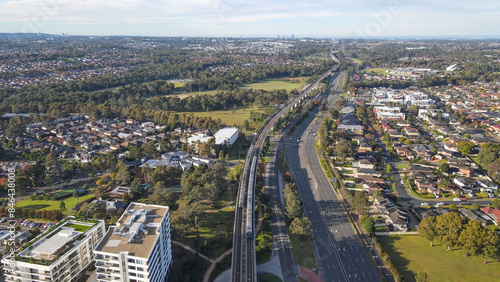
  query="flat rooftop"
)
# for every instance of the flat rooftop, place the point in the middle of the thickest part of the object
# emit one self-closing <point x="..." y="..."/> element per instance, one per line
<point x="117" y="238"/>
<point x="52" y="244"/>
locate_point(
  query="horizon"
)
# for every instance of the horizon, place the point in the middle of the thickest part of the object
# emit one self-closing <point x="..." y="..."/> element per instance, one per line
<point x="242" y="18"/>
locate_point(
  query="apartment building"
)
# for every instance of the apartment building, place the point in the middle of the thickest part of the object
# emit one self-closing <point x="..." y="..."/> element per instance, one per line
<point x="138" y="248"/>
<point x="61" y="254"/>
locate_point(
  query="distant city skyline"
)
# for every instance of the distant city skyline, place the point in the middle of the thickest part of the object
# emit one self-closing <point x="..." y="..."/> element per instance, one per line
<point x="334" y="18"/>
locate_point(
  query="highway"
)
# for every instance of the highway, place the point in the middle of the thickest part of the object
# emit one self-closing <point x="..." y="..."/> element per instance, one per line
<point x="243" y="264"/>
<point x="339" y="252"/>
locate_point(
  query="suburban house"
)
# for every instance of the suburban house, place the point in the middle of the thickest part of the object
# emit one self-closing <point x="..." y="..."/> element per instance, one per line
<point x="486" y="185"/>
<point x="494" y="214"/>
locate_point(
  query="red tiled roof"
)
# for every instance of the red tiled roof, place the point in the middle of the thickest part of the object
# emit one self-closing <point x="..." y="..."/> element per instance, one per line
<point x="492" y="211"/>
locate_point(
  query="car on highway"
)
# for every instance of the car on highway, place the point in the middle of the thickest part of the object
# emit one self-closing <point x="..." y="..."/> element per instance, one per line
<point x="457" y="199"/>
<point x="440" y="204"/>
<point x="424" y="204"/>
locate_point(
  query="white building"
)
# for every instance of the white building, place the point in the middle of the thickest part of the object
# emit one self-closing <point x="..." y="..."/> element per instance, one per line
<point x="59" y="255"/>
<point x="384" y="112"/>
<point x="227" y="135"/>
<point x="417" y="98"/>
<point x="138" y="248"/>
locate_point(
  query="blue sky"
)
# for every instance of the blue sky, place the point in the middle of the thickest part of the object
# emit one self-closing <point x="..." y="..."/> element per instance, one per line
<point x="330" y="18"/>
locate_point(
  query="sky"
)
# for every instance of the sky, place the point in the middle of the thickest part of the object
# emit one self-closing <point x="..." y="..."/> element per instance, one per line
<point x="253" y="18"/>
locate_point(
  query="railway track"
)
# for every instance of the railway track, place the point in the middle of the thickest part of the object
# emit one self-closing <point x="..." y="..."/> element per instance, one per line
<point x="243" y="264"/>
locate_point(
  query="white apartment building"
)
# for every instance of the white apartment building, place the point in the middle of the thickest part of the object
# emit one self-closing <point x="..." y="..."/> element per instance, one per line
<point x="138" y="248"/>
<point x="417" y="98"/>
<point x="384" y="112"/>
<point x="59" y="255"/>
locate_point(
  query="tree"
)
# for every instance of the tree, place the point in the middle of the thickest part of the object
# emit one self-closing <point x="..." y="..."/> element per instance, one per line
<point x="126" y="196"/>
<point x="421" y="276"/>
<point x="388" y="169"/>
<point x="15" y="128"/>
<point x="444" y="167"/>
<point x="53" y="169"/>
<point x="453" y="207"/>
<point x="76" y="195"/>
<point x="360" y="202"/>
<point x="292" y="201"/>
<point x="369" y="225"/>
<point x="494" y="170"/>
<point x="428" y="228"/>
<point x="491" y="249"/>
<point x="150" y="149"/>
<point x="123" y="174"/>
<point x="300" y="226"/>
<point x="448" y="227"/>
<point x="495" y="203"/>
<point x="344" y="149"/>
<point x="163" y="197"/>
<point x="62" y="206"/>
<point x="471" y="236"/>
<point x="476" y="206"/>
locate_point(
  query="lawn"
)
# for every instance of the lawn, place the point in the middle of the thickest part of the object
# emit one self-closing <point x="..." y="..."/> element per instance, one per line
<point x="268" y="278"/>
<point x="412" y="254"/>
<point x="78" y="227"/>
<point x="228" y="117"/>
<point x="185" y="95"/>
<point x="303" y="256"/>
<point x="277" y="84"/>
<point x="377" y="71"/>
<point x="50" y="205"/>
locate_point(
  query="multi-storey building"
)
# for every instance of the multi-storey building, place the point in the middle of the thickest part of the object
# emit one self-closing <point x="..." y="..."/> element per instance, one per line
<point x="61" y="254"/>
<point x="138" y="248"/>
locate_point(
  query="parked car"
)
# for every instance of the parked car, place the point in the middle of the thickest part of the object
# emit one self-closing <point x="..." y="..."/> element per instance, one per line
<point x="20" y="221"/>
<point x="4" y="219"/>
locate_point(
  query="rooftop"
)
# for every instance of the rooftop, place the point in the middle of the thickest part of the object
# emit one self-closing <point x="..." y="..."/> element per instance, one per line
<point x="135" y="231"/>
<point x="55" y="242"/>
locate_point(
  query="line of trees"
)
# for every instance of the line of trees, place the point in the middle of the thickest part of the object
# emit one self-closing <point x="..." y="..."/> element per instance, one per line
<point x="452" y="230"/>
<point x="293" y="206"/>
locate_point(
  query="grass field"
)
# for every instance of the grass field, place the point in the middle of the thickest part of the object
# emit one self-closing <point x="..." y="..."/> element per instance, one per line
<point x="78" y="227"/>
<point x="51" y="205"/>
<point x="303" y="256"/>
<point x="184" y="95"/>
<point x="377" y="71"/>
<point x="179" y="84"/>
<point x="356" y="61"/>
<point x="412" y="254"/>
<point x="277" y="84"/>
<point x="213" y="224"/>
<point x="228" y="117"/>
<point x="268" y="278"/>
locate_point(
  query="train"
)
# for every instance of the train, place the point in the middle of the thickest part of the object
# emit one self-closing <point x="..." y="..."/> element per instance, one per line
<point x="250" y="198"/>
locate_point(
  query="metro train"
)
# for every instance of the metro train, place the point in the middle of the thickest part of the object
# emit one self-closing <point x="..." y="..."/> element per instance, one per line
<point x="250" y="200"/>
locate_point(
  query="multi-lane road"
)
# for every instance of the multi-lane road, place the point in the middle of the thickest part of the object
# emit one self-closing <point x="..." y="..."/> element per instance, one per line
<point x="243" y="266"/>
<point x="340" y="254"/>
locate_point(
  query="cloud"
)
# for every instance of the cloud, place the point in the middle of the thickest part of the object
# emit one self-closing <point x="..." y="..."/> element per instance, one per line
<point x="219" y="17"/>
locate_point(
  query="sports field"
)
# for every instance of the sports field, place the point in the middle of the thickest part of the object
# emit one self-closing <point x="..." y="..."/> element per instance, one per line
<point x="377" y="71"/>
<point x="413" y="254"/>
